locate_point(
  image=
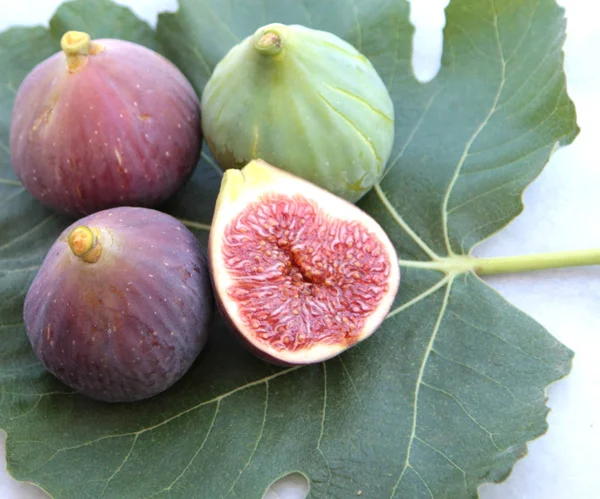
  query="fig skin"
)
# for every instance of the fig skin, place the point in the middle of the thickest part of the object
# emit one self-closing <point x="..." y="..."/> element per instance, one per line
<point x="305" y="101"/>
<point x="102" y="124"/>
<point x="285" y="253"/>
<point x="126" y="319"/>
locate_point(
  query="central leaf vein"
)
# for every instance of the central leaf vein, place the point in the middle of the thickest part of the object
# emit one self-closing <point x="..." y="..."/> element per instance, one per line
<point x="473" y="137"/>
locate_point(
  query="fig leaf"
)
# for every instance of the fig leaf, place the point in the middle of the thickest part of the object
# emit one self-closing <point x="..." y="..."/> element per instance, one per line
<point x="445" y="396"/>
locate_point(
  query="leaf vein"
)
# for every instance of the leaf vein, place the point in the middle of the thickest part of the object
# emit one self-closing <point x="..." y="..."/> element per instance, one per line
<point x="196" y="454"/>
<point x="438" y="451"/>
<point x="485" y="193"/>
<point x="13" y="195"/>
<point x="504" y="165"/>
<point x="488" y="331"/>
<point x="530" y="74"/>
<point x="351" y="380"/>
<point x="5" y="148"/>
<point x="472" y="139"/>
<point x="211" y="162"/>
<point x="217" y="399"/>
<point x="260" y="436"/>
<point x="419" y="381"/>
<point x="400" y="221"/>
<point x="120" y="467"/>
<point x="323" y="412"/>
<point x="27" y="233"/>
<point x="486" y="376"/>
<point x="419" y="297"/>
<point x="413" y="132"/>
<point x="464" y="409"/>
<point x="7" y="181"/>
<point x="422" y="481"/>
<point x="23" y="269"/>
<point x="194" y="225"/>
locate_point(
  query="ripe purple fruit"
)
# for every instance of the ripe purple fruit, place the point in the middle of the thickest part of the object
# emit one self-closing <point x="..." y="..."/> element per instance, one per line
<point x="120" y="307"/>
<point x="104" y="123"/>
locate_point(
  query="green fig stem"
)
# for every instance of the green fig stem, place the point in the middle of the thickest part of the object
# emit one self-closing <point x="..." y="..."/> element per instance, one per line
<point x="84" y="244"/>
<point x="77" y="46"/>
<point x="509" y="264"/>
<point x="269" y="41"/>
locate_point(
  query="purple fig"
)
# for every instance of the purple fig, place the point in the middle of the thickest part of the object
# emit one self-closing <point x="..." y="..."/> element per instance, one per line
<point x="104" y="123"/>
<point x="120" y="307"/>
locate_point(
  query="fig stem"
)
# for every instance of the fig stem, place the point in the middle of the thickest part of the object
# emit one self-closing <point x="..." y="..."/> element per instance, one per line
<point x="269" y="41"/>
<point x="85" y="244"/>
<point x="460" y="264"/>
<point x="77" y="46"/>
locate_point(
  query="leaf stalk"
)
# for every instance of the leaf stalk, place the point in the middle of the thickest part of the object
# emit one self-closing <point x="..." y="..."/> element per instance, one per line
<point x="539" y="261"/>
<point x="460" y="264"/>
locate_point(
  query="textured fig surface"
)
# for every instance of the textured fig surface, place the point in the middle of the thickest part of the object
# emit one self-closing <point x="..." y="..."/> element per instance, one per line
<point x="305" y="101"/>
<point x="129" y="325"/>
<point x="301" y="274"/>
<point x="123" y="129"/>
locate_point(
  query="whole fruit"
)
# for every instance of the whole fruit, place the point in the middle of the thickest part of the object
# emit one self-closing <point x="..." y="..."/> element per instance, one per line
<point x="304" y="100"/>
<point x="301" y="274"/>
<point x="104" y="123"/>
<point x="120" y="307"/>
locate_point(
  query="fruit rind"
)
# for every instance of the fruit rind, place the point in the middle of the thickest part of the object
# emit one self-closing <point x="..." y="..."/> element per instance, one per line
<point x="241" y="187"/>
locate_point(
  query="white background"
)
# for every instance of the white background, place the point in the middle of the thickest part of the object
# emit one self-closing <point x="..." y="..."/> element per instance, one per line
<point x="562" y="211"/>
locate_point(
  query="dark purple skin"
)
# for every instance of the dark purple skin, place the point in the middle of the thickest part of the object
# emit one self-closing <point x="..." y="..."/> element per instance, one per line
<point x="128" y="326"/>
<point x="124" y="130"/>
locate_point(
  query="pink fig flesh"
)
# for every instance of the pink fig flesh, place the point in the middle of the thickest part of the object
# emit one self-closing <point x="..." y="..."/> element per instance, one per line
<point x="103" y="124"/>
<point x="301" y="274"/>
<point x="120" y="307"/>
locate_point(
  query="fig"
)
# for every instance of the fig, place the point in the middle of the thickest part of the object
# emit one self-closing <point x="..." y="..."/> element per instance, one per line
<point x="301" y="274"/>
<point x="120" y="307"/>
<point x="104" y="123"/>
<point x="304" y="100"/>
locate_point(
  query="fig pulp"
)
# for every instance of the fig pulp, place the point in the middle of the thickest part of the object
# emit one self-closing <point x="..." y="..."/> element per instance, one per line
<point x="104" y="123"/>
<point x="304" y="100"/>
<point x="120" y="307"/>
<point x="300" y="273"/>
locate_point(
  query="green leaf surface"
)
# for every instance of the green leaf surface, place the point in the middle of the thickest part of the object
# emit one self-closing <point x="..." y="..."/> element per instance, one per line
<point x="445" y="396"/>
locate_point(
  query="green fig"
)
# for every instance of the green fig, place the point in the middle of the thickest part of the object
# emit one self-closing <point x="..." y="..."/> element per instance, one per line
<point x="305" y="101"/>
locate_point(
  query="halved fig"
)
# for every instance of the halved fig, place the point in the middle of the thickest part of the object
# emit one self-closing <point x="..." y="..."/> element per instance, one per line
<point x="300" y="273"/>
<point x="120" y="307"/>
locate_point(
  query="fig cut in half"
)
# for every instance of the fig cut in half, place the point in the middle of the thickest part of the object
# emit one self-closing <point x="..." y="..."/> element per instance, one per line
<point x="301" y="274"/>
